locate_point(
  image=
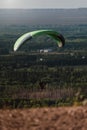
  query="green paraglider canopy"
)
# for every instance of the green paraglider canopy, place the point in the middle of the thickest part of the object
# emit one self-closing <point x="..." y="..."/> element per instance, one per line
<point x="27" y="36"/>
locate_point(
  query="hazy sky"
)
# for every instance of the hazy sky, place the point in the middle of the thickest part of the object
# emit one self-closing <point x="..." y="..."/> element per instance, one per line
<point x="43" y="3"/>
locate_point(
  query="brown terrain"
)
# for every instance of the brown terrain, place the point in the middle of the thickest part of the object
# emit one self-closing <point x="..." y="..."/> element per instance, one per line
<point x="61" y="118"/>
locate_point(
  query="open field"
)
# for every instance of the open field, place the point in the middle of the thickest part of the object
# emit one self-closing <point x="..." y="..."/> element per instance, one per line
<point x="61" y="118"/>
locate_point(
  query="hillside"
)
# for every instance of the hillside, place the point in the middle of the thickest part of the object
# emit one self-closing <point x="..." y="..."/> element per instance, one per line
<point x="63" y="118"/>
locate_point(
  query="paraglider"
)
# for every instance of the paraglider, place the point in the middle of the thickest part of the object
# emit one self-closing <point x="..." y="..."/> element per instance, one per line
<point x="27" y="36"/>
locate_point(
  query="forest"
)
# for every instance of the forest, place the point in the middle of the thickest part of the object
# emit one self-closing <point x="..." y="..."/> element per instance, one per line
<point x="31" y="78"/>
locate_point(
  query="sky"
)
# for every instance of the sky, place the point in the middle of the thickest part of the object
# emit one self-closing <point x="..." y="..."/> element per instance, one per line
<point x="43" y="4"/>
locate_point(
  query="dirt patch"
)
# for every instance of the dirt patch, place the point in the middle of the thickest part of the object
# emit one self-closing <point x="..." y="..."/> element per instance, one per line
<point x="61" y="118"/>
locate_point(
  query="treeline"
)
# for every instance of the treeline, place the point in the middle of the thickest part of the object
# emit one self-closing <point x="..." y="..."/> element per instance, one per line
<point x="52" y="59"/>
<point x="42" y="71"/>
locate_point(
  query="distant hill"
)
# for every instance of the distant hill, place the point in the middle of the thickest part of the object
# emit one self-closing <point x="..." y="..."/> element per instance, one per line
<point x="43" y="16"/>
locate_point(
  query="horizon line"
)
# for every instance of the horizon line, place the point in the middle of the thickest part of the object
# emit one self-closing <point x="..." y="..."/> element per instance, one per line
<point x="45" y="8"/>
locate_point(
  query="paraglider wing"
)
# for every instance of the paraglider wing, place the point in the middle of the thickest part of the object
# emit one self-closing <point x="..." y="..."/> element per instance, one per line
<point x="55" y="35"/>
<point x="22" y="40"/>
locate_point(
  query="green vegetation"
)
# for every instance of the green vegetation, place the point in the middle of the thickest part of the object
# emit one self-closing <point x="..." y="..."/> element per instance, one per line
<point x="29" y="78"/>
